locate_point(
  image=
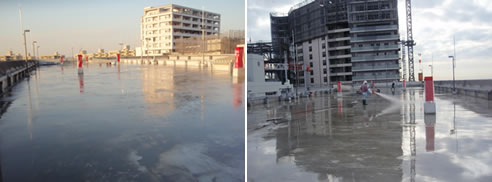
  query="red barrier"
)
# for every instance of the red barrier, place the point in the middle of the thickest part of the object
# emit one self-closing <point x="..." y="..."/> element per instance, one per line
<point x="61" y="60"/>
<point x="118" y="57"/>
<point x="404" y="84"/>
<point x="239" y="51"/>
<point x="429" y="89"/>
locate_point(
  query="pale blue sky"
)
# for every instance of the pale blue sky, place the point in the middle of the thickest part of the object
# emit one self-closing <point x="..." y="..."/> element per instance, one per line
<point x="59" y="25"/>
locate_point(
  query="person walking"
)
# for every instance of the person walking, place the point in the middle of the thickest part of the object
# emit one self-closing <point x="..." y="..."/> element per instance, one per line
<point x="365" y="92"/>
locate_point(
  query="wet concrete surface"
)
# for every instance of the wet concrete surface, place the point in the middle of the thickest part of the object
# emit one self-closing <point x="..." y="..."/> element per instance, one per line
<point x="123" y="123"/>
<point x="325" y="138"/>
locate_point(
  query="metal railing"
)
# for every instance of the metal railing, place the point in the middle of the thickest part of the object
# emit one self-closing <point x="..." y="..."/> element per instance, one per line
<point x="374" y="58"/>
<point x="382" y="27"/>
<point x="360" y="68"/>
<point x="381" y="37"/>
<point x="375" y="48"/>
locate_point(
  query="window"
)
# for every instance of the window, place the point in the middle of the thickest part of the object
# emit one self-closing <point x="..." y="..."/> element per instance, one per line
<point x="323" y="38"/>
<point x="324" y="54"/>
<point x="312" y="80"/>
<point x="310" y="41"/>
<point x="310" y="49"/>
<point x="310" y="57"/>
<point x="311" y="64"/>
<point x="325" y="79"/>
<point x="324" y="62"/>
<point x="323" y="46"/>
<point x="360" y="45"/>
<point x="324" y="71"/>
<point x="386" y="43"/>
<point x="311" y="72"/>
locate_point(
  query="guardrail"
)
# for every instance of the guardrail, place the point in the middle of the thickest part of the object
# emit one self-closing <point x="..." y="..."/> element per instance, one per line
<point x="11" y="72"/>
<point x="474" y="88"/>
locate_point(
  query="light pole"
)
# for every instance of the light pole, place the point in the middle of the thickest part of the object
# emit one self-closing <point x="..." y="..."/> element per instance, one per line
<point x="25" y="43"/>
<point x="432" y="70"/>
<point x="454" y="84"/>
<point x="33" y="48"/>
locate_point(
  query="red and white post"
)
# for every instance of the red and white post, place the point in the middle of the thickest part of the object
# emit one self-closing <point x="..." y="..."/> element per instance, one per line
<point x="79" y="63"/>
<point x="429" y="105"/>
<point x="118" y="57"/>
<point x="404" y="85"/>
<point x="339" y="89"/>
<point x="373" y="87"/>
<point x="61" y="60"/>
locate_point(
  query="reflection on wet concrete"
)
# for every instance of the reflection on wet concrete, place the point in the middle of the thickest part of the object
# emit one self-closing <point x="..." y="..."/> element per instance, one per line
<point x="304" y="141"/>
<point x="123" y="129"/>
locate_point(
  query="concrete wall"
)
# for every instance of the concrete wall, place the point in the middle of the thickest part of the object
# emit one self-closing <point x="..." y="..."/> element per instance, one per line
<point x="474" y="88"/>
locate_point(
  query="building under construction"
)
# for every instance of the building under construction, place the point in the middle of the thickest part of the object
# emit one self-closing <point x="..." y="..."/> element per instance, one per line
<point x="339" y="40"/>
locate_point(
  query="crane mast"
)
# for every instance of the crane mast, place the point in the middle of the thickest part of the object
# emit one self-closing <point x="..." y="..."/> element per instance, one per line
<point x="409" y="42"/>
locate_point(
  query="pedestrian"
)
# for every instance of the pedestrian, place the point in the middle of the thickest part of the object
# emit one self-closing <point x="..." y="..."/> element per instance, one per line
<point x="365" y="92"/>
<point x="393" y="85"/>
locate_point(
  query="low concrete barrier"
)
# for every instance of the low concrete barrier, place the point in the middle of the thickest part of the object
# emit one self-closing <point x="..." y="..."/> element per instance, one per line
<point x="12" y="72"/>
<point x="474" y="88"/>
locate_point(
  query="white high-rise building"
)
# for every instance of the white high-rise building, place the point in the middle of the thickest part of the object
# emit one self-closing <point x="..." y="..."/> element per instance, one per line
<point x="162" y="26"/>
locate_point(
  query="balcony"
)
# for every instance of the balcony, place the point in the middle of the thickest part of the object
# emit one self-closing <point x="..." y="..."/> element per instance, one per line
<point x="341" y="56"/>
<point x="374" y="48"/>
<point x="374" y="28"/>
<point x="339" y="48"/>
<point x="374" y="38"/>
<point x="338" y="39"/>
<point x="376" y="77"/>
<point x="375" y="68"/>
<point x="340" y="65"/>
<point x="341" y="74"/>
<point x="375" y="58"/>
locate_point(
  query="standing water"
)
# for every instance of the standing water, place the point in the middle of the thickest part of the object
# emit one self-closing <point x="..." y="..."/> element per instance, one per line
<point x="123" y="123"/>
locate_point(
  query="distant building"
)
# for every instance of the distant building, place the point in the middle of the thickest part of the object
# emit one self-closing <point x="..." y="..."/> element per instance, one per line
<point x="162" y="26"/>
<point x="339" y="40"/>
<point x="13" y="57"/>
<point x="55" y="56"/>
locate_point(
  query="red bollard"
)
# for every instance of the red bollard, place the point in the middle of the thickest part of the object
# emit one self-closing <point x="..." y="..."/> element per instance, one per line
<point x="339" y="88"/>
<point x="61" y="59"/>
<point x="404" y="85"/>
<point x="80" y="64"/>
<point x="373" y="87"/>
<point x="239" y="51"/>
<point x="118" y="57"/>
<point x="429" y="105"/>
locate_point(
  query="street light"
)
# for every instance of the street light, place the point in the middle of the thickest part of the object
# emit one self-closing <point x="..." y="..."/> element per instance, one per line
<point x="454" y="84"/>
<point x="25" y="43"/>
<point x="33" y="48"/>
<point x="37" y="50"/>
<point x="432" y="70"/>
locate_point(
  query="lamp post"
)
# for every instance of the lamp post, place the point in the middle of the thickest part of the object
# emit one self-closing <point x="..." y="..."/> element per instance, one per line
<point x="432" y="70"/>
<point x="37" y="50"/>
<point x="25" y="43"/>
<point x="454" y="84"/>
<point x="34" y="49"/>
